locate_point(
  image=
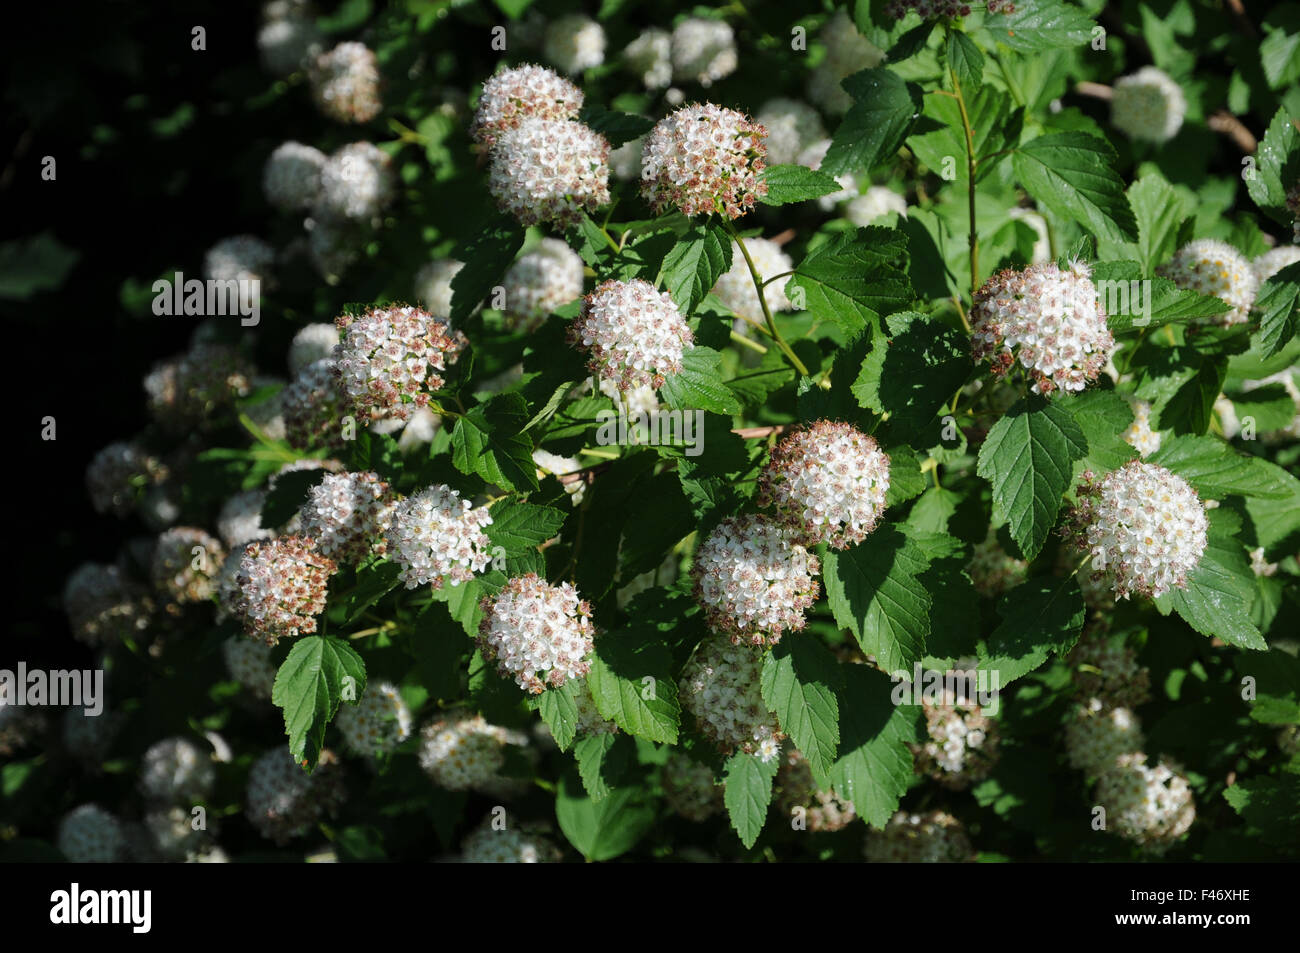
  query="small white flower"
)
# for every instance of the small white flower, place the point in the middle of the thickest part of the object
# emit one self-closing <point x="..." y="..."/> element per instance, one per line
<point x="1152" y="806"/>
<point x="933" y="838"/>
<point x="240" y="519"/>
<point x="634" y="334"/>
<point x="240" y="258"/>
<point x="1274" y="260"/>
<point x="575" y="43"/>
<point x="176" y="771"/>
<point x="877" y="202"/>
<point x="539" y="635"/>
<point x="463" y="752"/>
<point x="703" y="159"/>
<point x="1148" y="105"/>
<point x="390" y="360"/>
<point x="345" y="83"/>
<point x="1139" y="434"/>
<point x="249" y="662"/>
<point x="720" y="687"/>
<point x="541" y="280"/>
<point x="284" y="801"/>
<point x="650" y="56"/>
<point x="1097" y="735"/>
<point x="549" y="171"/>
<point x="524" y="91"/>
<point x="90" y="835"/>
<point x="847" y="52"/>
<point x="357" y="182"/>
<point x="1212" y="267"/>
<point x="291" y="176"/>
<point x="313" y="342"/>
<point x="347" y="514"/>
<point x="282" y="587"/>
<point x="436" y="537"/>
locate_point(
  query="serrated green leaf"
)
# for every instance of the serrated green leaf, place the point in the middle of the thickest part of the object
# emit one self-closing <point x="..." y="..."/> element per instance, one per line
<point x="309" y="686"/>
<point x="604" y="829"/>
<point x="1040" y="27"/>
<point x="632" y="685"/>
<point x="856" y="278"/>
<point x="875" y="763"/>
<point x="787" y="184"/>
<point x="1278" y="304"/>
<point x="1276" y="167"/>
<point x="747" y="794"/>
<point x="1074" y="175"/>
<point x="913" y="375"/>
<point x="884" y="109"/>
<point x="559" y="710"/>
<point x="699" y="384"/>
<point x="487" y="442"/>
<point x="799" y="684"/>
<point x="1215" y="469"/>
<point x="602" y="762"/>
<point x="520" y="527"/>
<point x="965" y="60"/>
<point x="694" y="265"/>
<point x="1040" y="618"/>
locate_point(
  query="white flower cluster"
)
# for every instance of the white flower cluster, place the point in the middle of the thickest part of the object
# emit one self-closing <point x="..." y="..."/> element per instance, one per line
<point x="720" y="688"/>
<point x="1148" y="105"/>
<point x="240" y="520"/>
<point x="523" y="91"/>
<point x="549" y="170"/>
<point x="1211" y="267"/>
<point x="1152" y="806"/>
<point x="91" y="835"/>
<point x="735" y="286"/>
<point x="345" y="83"/>
<point x="827" y="481"/>
<point x="357" y="182"/>
<point x="1145" y="527"/>
<point x="314" y="407"/>
<point x="249" y="662"/>
<point x="282" y="588"/>
<point x="389" y="360"/>
<point x="703" y="159"/>
<point x="992" y="569"/>
<point x="509" y="845"/>
<point x="288" y="39"/>
<point x="703" y="51"/>
<point x="377" y="723"/>
<point x="103" y="605"/>
<point x="192" y="389"/>
<point x="1097" y="734"/>
<point x="797" y="795"/>
<point x="932" y="838"/>
<point x="185" y="564"/>
<point x="291" y="176"/>
<point x="754" y="579"/>
<point x="116" y="474"/>
<point x="239" y="258"/>
<point x="650" y="56"/>
<point x="312" y="343"/>
<point x="284" y="801"/>
<point x="538" y="634"/>
<point x="1274" y="260"/>
<point x="347" y="514"/>
<point x="88" y="738"/>
<point x="433" y="285"/>
<point x="167" y="834"/>
<point x="541" y="280"/>
<point x="847" y="52"/>
<point x="574" y="43"/>
<point x="463" y="752"/>
<point x="176" y="771"/>
<point x="634" y="334"/>
<point x="590" y="720"/>
<point x="1107" y="669"/>
<point x="1052" y="320"/>
<point x="961" y="744"/>
<point x="877" y="202"/>
<point x="791" y="127"/>
<point x="688" y="787"/>
<point x="1139" y="434"/>
<point x="436" y="537"/>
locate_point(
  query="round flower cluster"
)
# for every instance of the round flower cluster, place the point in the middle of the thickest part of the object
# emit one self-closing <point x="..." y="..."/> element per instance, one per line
<point x="1274" y="260"/>
<point x="462" y="752"/>
<point x="185" y="565"/>
<point x="282" y="587"/>
<point x="827" y="482"/>
<point x="117" y="472"/>
<point x="549" y="170"/>
<point x="650" y="56"/>
<point x="189" y="390"/>
<point x="172" y="837"/>
<point x="877" y="202"/>
<point x="87" y="737"/>
<point x="333" y="244"/>
<point x="284" y="801"/>
<point x="1097" y="735"/>
<point x="1148" y="105"/>
<point x="240" y="520"/>
<point x="348" y="514"/>
<point x="933" y="838"/>
<point x="703" y="159"/>
<point x="720" y="688"/>
<point x="314" y="407"/>
<point x="103" y="605"/>
<point x="19" y="724"/>
<point x="345" y="83"/>
<point x="526" y="91"/>
<point x="436" y="537"/>
<point x="1152" y="806"/>
<point x="993" y="570"/>
<point x="176" y="771"/>
<point x="390" y="358"/>
<point x="538" y="634"/>
<point x="961" y="743"/>
<point x="312" y="343"/>
<point x="791" y="126"/>
<point x="433" y="285"/>
<point x="590" y="720"/>
<point x="90" y="835"/>
<point x="1212" y="267"/>
<point x="1145" y="527"/>
<point x="377" y="723"/>
<point x="847" y="52"/>
<point x="1050" y="319"/>
<point x="754" y="580"/>
<point x="1139" y="434"/>
<point x="634" y="334"/>
<point x="249" y="662"/>
<point x="291" y="176"/>
<point x="487" y="845"/>
<point x="689" y="789"/>
<point x="540" y="281"/>
<point x="1108" y="670"/>
<point x="240" y="258"/>
<point x="575" y="43"/>
<point x="735" y="287"/>
<point x="356" y="182"/>
<point x="703" y="51"/>
<point x="288" y="39"/>
<point x="797" y="794"/>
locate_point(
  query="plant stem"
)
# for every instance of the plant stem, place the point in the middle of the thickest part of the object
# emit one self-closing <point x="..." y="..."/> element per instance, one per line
<point x="762" y="300"/>
<point x="747" y="342"/>
<point x="970" y="183"/>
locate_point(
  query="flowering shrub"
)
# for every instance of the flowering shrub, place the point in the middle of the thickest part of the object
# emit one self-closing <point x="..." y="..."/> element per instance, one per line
<point x="861" y="432"/>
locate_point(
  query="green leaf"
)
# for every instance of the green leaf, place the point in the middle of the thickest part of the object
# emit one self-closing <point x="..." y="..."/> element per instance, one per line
<point x="1182" y="384"/>
<point x="748" y="793"/>
<point x="1219" y="590"/>
<point x="856" y="278"/>
<point x="875" y="764"/>
<point x="874" y="590"/>
<point x="487" y="256"/>
<point x="1159" y="211"/>
<point x="602" y="762"/>
<point x="699" y="384"/>
<point x="1027" y="458"/>
<point x="374" y="581"/>
<point x="911" y="42"/>
<point x="943" y="147"/>
<point x="604" y="829"/>
<point x="1041" y="26"/>
<point x="1073" y="174"/>
<point x="309" y="686"/>
<point x="787" y="184"/>
<point x="617" y="128"/>
<point x="965" y="60"/>
<point x="799" y="684"/>
<point x="1270" y="805"/>
<point x="1132" y="301"/>
<point x="884" y="109"/>
<point x="914" y="374"/>
<point x="283" y="502"/>
<point x="559" y="710"/>
<point x="1040" y="618"/>
<point x="1278" y="304"/>
<point x="1276" y="167"/>
<point x="487" y="442"/>
<point x="522" y="527"/>
<point x="1103" y="416"/>
<point x="1265" y="408"/>
<point x="36" y="263"/>
<point x="1215" y="469"/>
<point x="695" y="264"/>
<point x="631" y="683"/>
